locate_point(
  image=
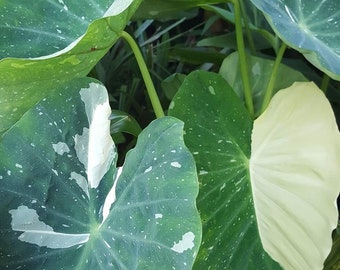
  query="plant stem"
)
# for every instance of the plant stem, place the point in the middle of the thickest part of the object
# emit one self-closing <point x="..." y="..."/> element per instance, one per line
<point x="271" y="83"/>
<point x="145" y="74"/>
<point x="242" y="58"/>
<point x="325" y="82"/>
<point x="247" y="29"/>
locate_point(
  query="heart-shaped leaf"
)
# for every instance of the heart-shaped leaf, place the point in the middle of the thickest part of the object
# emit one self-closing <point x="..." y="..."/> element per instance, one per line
<point x="65" y="205"/>
<point x="218" y="132"/>
<point x="309" y="26"/>
<point x="294" y="170"/>
<point x="67" y="38"/>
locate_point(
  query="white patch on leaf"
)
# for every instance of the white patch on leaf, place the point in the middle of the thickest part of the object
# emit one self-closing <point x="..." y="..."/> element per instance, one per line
<point x="36" y="232"/>
<point x="187" y="242"/>
<point x="111" y="196"/>
<point x="81" y="182"/>
<point x="157" y="216"/>
<point x="117" y="7"/>
<point x="294" y="170"/>
<point x="176" y="164"/>
<point x="148" y="169"/>
<point x="60" y="148"/>
<point x="95" y="148"/>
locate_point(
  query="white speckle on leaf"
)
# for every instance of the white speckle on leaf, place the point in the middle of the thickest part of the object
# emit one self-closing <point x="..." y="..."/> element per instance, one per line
<point x="18" y="165"/>
<point x="9" y="173"/>
<point x="186" y="243"/>
<point x="172" y="105"/>
<point x="148" y="169"/>
<point x="176" y="164"/>
<point x="37" y="232"/>
<point x="211" y="90"/>
<point x="55" y="172"/>
<point x="157" y="216"/>
<point x="256" y="69"/>
<point x="202" y="172"/>
<point x="222" y="187"/>
<point x="107" y="244"/>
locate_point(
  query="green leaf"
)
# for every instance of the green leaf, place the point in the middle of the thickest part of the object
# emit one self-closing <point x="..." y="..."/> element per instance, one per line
<point x="123" y="122"/>
<point x="169" y="9"/>
<point x="218" y="132"/>
<point x="294" y="170"/>
<point x="228" y="41"/>
<point x="68" y="47"/>
<point x="43" y="27"/>
<point x="311" y="27"/>
<point x="333" y="260"/>
<point x="258" y="30"/>
<point x="64" y="205"/>
<point x="171" y="84"/>
<point x="197" y="56"/>
<point x="260" y="71"/>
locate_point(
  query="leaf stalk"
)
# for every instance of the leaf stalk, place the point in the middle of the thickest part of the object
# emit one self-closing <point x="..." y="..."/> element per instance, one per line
<point x="156" y="104"/>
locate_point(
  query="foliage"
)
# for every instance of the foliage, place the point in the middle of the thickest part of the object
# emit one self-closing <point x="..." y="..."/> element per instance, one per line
<point x="243" y="173"/>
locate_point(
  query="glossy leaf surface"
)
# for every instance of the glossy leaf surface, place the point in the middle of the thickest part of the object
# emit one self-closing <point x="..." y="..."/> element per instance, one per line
<point x="64" y="205"/>
<point x="309" y="26"/>
<point x="218" y="131"/>
<point x="68" y="47"/>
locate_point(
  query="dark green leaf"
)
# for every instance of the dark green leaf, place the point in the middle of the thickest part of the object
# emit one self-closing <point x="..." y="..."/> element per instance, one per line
<point x="171" y="84"/>
<point x="123" y="122"/>
<point x="218" y="131"/>
<point x="169" y="9"/>
<point x="197" y="56"/>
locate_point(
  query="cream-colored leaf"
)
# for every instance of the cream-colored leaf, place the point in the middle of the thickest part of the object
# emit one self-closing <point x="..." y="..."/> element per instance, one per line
<point x="295" y="176"/>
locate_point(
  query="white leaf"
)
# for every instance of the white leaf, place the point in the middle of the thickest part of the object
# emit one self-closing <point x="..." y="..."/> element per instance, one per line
<point x="295" y="176"/>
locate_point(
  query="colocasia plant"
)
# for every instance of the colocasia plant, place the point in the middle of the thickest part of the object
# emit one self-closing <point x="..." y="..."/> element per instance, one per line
<point x="243" y="172"/>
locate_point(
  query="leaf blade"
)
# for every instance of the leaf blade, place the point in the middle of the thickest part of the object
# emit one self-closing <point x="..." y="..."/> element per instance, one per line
<point x="295" y="146"/>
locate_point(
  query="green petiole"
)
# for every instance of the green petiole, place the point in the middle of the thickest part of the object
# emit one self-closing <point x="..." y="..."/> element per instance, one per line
<point x="145" y="74"/>
<point x="271" y="83"/>
<point x="242" y="58"/>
